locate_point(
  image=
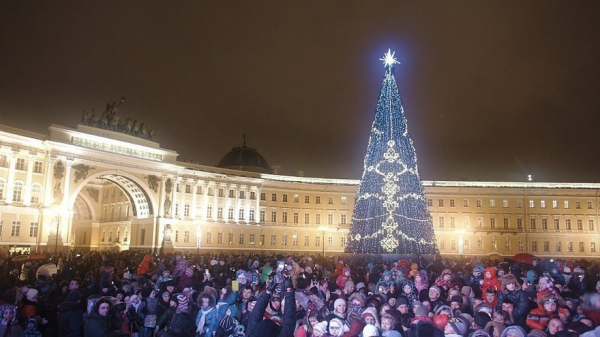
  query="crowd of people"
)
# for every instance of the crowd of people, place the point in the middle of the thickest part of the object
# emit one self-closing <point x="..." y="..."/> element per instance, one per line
<point x="131" y="293"/>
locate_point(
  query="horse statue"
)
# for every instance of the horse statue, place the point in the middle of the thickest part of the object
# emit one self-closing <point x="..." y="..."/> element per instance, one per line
<point x="94" y="118"/>
<point x="114" y="121"/>
<point x="143" y="131"/>
<point x="135" y="129"/>
<point x="84" y="117"/>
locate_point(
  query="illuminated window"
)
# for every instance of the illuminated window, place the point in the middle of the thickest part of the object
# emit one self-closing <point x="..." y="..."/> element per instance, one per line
<point x="542" y="203"/>
<point x="591" y="224"/>
<point x="507" y="245"/>
<point x="273" y="216"/>
<point x="581" y="247"/>
<point x="33" y="230"/>
<point x="296" y="198"/>
<point x="284" y="217"/>
<point x="219" y="238"/>
<point x="261" y="239"/>
<point x="566" y="204"/>
<point x="241" y="241"/>
<point x="344" y="201"/>
<point x="230" y="237"/>
<point x="505" y="203"/>
<point x="251" y="239"/>
<point x="294" y="240"/>
<point x="531" y="203"/>
<point x="209" y="237"/>
<point x="494" y="245"/>
<point x="492" y="203"/>
<point x="554" y="204"/>
<point x="570" y="247"/>
<point x="295" y="217"/>
<point x="544" y="224"/>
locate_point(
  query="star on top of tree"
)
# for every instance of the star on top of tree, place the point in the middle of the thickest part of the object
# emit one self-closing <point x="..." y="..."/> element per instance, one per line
<point x="388" y="59"/>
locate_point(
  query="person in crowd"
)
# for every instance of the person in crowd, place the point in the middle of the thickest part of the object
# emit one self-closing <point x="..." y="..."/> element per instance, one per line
<point x="258" y="327"/>
<point x="98" y="323"/>
<point x="70" y="316"/>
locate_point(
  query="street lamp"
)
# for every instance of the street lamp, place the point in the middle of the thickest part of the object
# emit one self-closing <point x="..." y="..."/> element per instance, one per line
<point x="56" y="236"/>
<point x="323" y="229"/>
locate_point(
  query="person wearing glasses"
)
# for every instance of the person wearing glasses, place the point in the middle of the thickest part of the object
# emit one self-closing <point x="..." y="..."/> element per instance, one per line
<point x="538" y="318"/>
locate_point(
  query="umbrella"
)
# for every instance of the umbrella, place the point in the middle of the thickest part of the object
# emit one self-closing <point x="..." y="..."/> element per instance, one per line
<point x="524" y="258"/>
<point x="37" y="256"/>
<point x="48" y="270"/>
<point x="21" y="258"/>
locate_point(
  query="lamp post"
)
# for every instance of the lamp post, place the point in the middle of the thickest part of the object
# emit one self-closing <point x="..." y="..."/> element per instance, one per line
<point x="323" y="229"/>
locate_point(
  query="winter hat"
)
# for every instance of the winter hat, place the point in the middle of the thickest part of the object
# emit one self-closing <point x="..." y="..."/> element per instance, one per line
<point x="546" y="282"/>
<point x="436" y="288"/>
<point x="517" y="330"/>
<point x="146" y="292"/>
<point x="348" y="283"/>
<point x="182" y="303"/>
<point x="336" y="321"/>
<point x="321" y="327"/>
<point x="369" y="331"/>
<point x="442" y="307"/>
<point x="478" y="269"/>
<point x="234" y="310"/>
<point x="337" y="302"/>
<point x="459" y="325"/>
<point x="346" y="269"/>
<point x="32" y="294"/>
<point x="440" y="321"/>
<point x="421" y="311"/>
<point x="480" y="333"/>
<point x="566" y="270"/>
<point x="457" y="298"/>
<point x="360" y="285"/>
<point x="531" y="276"/>
<point x="189" y="272"/>
<point x="127" y="275"/>
<point x="481" y="319"/>
<point x="401" y="300"/>
<point x="510" y="278"/>
<point x="227" y="323"/>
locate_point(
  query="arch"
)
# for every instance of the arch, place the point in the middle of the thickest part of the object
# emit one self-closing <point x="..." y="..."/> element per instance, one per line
<point x="138" y="194"/>
<point x="85" y="202"/>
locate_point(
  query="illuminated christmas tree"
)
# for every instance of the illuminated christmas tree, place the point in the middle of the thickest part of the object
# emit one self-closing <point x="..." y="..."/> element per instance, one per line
<point x="391" y="215"/>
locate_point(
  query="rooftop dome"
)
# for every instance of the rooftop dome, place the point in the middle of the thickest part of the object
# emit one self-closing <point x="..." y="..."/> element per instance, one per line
<point x="245" y="159"/>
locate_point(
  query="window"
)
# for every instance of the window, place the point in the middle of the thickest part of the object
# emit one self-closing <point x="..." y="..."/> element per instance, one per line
<point x="507" y="245"/>
<point x="505" y="203"/>
<point x="452" y="222"/>
<point x="307" y="199"/>
<point x="284" y="197"/>
<point x="38" y="167"/>
<point x="343" y="241"/>
<point x="36" y="191"/>
<point x="480" y="222"/>
<point x="177" y="186"/>
<point x="441" y="222"/>
<point x="466" y="245"/>
<point x="231" y="194"/>
<point x="242" y="195"/>
<point x="186" y="209"/>
<point x="273" y="239"/>
<point x="209" y="212"/>
<point x="2" y="183"/>
<point x="318" y="219"/>
<point x="143" y="236"/>
<point x="534" y="246"/>
<point x="570" y="247"/>
<point x="318" y="241"/>
<point x="429" y="202"/>
<point x="284" y="217"/>
<point x="479" y="203"/>
<point x="33" y="230"/>
<point x="542" y="203"/>
<point x="568" y="224"/>
<point x="317" y="199"/>
<point x="554" y="204"/>
<point x="521" y="246"/>
<point x="531" y="204"/>
<point x="306" y="218"/>
<point x="493" y="222"/>
<point x="294" y="240"/>
<point x="262" y="239"/>
<point x="343" y="218"/>
<point x="480" y="243"/>
<point x="103" y="235"/>
<point x="262" y="214"/>
<point x="252" y="195"/>
<point x="241" y="242"/>
<point x="186" y="236"/>
<point x="230" y="213"/>
<point x="251" y="239"/>
<point x="519" y="203"/>
<point x="263" y="196"/>
<point x="591" y="224"/>
<point x="546" y="246"/>
<point x="330" y="219"/>
<point x="3" y="161"/>
<point x="494" y="245"/>
<point x="176" y="236"/>
<point x="296" y="198"/>
<point x="556" y="224"/>
<point x="506" y="223"/>
<point x="306" y="240"/>
<point x="330" y="200"/>
<point x="251" y="214"/>
<point x="453" y="244"/>
<point x="18" y="192"/>
<point x="199" y="190"/>
<point x="273" y="216"/>
<point x="544" y="224"/>
<point x="330" y="241"/>
<point x="558" y="246"/>
<point x="241" y="214"/>
<point x="209" y="237"/>
<point x="20" y="165"/>
<point x="452" y="203"/>
<point x="466" y="221"/>
<point x="230" y="237"/>
<point x="273" y="196"/>
<point x="219" y="238"/>
<point x="589" y="205"/>
<point x="566" y="204"/>
<point x="581" y="247"/>
<point x="442" y="244"/>
<point x="520" y="224"/>
<point x="211" y="191"/>
<point x="592" y="247"/>
<point x="492" y="203"/>
<point x="465" y="202"/>
<point x="441" y="202"/>
<point x="188" y="189"/>
<point x="578" y="204"/>
<point x="532" y="223"/>
<point x="296" y="217"/>
<point x="579" y="224"/>
<point x="344" y="201"/>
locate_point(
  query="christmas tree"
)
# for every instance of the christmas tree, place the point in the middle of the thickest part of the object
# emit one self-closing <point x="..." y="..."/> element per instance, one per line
<point x="391" y="215"/>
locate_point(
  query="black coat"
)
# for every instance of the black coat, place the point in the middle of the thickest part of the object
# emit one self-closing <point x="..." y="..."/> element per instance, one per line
<point x="288" y="325"/>
<point x="97" y="326"/>
<point x="182" y="324"/>
<point x="70" y="319"/>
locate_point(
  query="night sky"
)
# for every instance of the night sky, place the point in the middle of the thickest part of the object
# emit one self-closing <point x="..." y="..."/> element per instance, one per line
<point x="492" y="90"/>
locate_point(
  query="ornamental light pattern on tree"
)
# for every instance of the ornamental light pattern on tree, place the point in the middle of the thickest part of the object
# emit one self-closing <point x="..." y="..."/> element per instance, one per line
<point x="391" y="215"/>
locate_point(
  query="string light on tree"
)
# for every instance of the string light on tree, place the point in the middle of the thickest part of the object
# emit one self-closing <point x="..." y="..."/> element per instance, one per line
<point x="390" y="215"/>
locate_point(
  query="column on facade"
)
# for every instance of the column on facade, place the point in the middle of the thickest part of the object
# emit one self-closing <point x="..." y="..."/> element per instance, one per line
<point x="194" y="199"/>
<point x="246" y="205"/>
<point x="257" y="206"/>
<point x="49" y="173"/>
<point x="10" y="185"/>
<point x="205" y="188"/>
<point x="67" y="185"/>
<point x="174" y="204"/>
<point x="215" y="203"/>
<point x="161" y="197"/>
<point x="28" y="180"/>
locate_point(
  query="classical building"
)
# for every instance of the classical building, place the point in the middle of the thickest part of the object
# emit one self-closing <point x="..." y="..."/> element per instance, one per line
<point x="93" y="189"/>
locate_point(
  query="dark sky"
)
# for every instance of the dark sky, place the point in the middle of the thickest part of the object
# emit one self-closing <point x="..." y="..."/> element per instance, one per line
<point x="492" y="90"/>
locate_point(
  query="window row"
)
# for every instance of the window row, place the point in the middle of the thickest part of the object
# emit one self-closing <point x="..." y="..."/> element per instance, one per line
<point x="21" y="164"/>
<point x="518" y="203"/>
<point x="506" y="223"/>
<point x="307" y="198"/>
<point x="15" y="229"/>
<point x="272" y="240"/>
<point x="275" y="216"/>
<point x="18" y="193"/>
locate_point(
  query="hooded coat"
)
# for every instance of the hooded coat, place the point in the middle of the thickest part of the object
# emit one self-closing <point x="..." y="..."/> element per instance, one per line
<point x="70" y="319"/>
<point x="538" y="318"/>
<point x="257" y="327"/>
<point x="517" y="296"/>
<point x="490" y="282"/>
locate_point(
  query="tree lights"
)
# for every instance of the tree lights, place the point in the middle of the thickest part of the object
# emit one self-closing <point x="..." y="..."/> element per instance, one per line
<point x="390" y="215"/>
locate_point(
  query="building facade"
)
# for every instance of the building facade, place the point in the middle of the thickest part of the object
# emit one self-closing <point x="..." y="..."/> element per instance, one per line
<point x="93" y="189"/>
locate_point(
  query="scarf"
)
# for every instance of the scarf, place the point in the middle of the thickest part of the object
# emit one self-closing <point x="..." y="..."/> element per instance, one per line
<point x="205" y="312"/>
